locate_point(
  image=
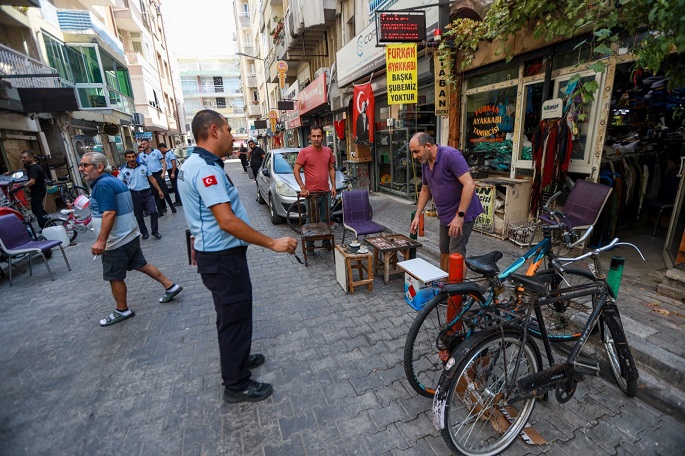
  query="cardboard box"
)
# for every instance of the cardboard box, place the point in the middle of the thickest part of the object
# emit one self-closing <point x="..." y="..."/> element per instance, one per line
<point x="418" y="278"/>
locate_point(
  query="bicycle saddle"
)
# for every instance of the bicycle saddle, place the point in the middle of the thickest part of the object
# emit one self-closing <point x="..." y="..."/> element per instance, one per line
<point x="66" y="211"/>
<point x="535" y="284"/>
<point x="484" y="264"/>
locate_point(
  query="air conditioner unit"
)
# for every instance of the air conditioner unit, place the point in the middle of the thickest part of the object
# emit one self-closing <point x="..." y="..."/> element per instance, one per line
<point x="138" y="118"/>
<point x="322" y="70"/>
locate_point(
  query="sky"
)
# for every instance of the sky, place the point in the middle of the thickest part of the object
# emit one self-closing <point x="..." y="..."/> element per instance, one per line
<point x="199" y="27"/>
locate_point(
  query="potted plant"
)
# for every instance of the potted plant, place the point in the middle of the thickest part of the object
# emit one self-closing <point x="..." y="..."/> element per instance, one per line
<point x="277" y="32"/>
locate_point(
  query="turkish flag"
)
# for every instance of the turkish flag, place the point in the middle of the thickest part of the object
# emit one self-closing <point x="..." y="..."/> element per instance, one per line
<point x="209" y="181"/>
<point x="363" y="113"/>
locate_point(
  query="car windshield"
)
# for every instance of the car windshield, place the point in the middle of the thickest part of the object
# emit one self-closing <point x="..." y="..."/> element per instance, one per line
<point x="284" y="162"/>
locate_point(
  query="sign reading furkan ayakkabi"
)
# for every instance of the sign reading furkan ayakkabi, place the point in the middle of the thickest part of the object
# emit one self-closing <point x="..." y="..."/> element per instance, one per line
<point x="402" y="74"/>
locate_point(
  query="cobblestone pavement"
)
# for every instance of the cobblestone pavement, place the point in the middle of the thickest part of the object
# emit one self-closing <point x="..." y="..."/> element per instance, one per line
<point x="151" y="385"/>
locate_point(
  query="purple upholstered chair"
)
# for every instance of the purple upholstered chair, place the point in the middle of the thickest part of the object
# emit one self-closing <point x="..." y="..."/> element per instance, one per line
<point x="15" y="241"/>
<point x="583" y="206"/>
<point x="357" y="214"/>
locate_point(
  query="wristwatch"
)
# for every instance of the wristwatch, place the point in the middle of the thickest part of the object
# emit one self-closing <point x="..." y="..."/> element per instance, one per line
<point x="461" y="213"/>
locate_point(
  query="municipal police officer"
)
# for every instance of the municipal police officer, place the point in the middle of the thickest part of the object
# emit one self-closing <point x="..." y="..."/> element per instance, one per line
<point x="220" y="225"/>
<point x="138" y="178"/>
<point x="154" y="160"/>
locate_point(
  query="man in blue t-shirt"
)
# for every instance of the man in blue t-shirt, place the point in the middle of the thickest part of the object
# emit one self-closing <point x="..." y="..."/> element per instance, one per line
<point x="117" y="235"/>
<point x="139" y="180"/>
<point x="446" y="178"/>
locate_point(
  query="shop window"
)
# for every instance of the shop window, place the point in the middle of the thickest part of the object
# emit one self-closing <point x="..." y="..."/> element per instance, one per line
<point x="532" y="103"/>
<point x="507" y="73"/>
<point x="57" y="57"/>
<point x="490" y="121"/>
<point x="581" y="114"/>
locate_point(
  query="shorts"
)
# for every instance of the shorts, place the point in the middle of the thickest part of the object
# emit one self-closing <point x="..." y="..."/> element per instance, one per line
<point x="116" y="262"/>
<point x="455" y="244"/>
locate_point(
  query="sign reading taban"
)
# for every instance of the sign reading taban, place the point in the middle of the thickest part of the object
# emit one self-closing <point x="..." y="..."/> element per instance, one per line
<point x="442" y="98"/>
<point x="402" y="74"/>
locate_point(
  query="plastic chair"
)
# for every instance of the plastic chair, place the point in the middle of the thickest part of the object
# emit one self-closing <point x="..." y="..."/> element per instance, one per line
<point x="357" y="214"/>
<point x="312" y="228"/>
<point x="15" y="241"/>
<point x="583" y="205"/>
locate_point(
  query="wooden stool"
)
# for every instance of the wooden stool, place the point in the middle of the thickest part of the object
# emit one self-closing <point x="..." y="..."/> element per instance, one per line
<point x="345" y="265"/>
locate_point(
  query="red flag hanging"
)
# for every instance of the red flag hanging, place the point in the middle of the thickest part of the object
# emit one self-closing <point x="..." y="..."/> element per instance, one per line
<point x="339" y="128"/>
<point x="363" y="113"/>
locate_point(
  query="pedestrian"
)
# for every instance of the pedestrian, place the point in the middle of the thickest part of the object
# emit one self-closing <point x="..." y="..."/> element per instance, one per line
<point x="318" y="163"/>
<point x="256" y="156"/>
<point x="118" y="237"/>
<point x="242" y="154"/>
<point x="172" y="169"/>
<point x="154" y="160"/>
<point x="36" y="186"/>
<point x="446" y="178"/>
<point x="138" y="179"/>
<point x="220" y="225"/>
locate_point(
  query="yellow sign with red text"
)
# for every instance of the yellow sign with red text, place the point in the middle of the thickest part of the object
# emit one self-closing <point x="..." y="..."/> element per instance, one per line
<point x="401" y="68"/>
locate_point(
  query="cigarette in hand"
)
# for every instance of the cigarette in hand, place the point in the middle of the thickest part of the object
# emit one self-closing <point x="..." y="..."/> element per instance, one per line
<point x="95" y="257"/>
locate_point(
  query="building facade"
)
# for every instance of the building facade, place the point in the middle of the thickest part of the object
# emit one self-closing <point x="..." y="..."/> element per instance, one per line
<point x="213" y="82"/>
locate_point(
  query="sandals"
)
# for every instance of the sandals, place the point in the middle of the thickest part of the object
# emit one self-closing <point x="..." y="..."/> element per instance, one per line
<point x="169" y="295"/>
<point x="114" y="318"/>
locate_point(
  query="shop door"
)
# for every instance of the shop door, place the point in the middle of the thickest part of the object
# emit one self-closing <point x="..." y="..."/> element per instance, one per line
<point x="395" y="168"/>
<point x="585" y="118"/>
<point x="674" y="249"/>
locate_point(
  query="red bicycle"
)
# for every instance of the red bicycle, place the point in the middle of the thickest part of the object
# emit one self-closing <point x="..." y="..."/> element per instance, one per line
<point x="76" y="218"/>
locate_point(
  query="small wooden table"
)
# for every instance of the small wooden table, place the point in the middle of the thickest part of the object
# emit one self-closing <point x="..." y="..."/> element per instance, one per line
<point x="385" y="250"/>
<point x="345" y="264"/>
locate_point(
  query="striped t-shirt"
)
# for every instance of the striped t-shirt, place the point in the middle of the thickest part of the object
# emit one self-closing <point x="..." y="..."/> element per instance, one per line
<point x="110" y="194"/>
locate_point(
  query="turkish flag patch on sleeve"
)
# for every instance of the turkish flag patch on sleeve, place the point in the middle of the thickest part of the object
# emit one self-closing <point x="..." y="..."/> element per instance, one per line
<point x="209" y="181"/>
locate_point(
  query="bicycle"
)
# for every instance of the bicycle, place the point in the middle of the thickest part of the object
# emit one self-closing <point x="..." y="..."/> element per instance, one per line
<point x="73" y="224"/>
<point x="491" y="382"/>
<point x="293" y="212"/>
<point x="69" y="191"/>
<point x="438" y="328"/>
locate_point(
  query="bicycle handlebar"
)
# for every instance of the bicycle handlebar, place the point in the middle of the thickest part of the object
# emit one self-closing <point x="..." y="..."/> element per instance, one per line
<point x="596" y="252"/>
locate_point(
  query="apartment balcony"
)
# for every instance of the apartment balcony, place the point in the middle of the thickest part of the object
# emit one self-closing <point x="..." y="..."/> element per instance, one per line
<point x="128" y="17"/>
<point x="35" y="3"/>
<point x="244" y="19"/>
<point x="247" y="48"/>
<point x="306" y="25"/>
<point x="209" y="69"/>
<point x="33" y="86"/>
<point x="252" y="110"/>
<point x="251" y="81"/>
<point x="83" y="27"/>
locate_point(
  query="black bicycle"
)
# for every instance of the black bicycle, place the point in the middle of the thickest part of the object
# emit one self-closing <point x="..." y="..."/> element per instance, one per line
<point x="491" y="381"/>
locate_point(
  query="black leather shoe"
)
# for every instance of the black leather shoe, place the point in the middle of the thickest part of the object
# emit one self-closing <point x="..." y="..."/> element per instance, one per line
<point x="145" y="236"/>
<point x="178" y="204"/>
<point x="160" y="214"/>
<point x="173" y="210"/>
<point x="157" y="235"/>
<point x="254" y="392"/>
<point x="255" y="361"/>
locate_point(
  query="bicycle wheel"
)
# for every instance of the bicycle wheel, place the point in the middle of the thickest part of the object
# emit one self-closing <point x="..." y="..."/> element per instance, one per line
<point x="67" y="224"/>
<point x="293" y="217"/>
<point x="566" y="319"/>
<point x="628" y="385"/>
<point x="478" y="418"/>
<point x="429" y="344"/>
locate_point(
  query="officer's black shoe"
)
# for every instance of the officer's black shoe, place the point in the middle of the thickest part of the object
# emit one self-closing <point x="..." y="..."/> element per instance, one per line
<point x="255" y="361"/>
<point x="178" y="203"/>
<point x="160" y="214"/>
<point x="173" y="210"/>
<point x="254" y="392"/>
<point x="157" y="235"/>
<point x="145" y="236"/>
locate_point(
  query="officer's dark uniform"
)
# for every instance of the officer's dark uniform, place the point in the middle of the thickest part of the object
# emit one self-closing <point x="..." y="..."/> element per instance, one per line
<point x="153" y="161"/>
<point x="221" y="260"/>
<point x="137" y="181"/>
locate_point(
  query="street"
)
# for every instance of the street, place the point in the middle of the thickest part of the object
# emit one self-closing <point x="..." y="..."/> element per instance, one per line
<point x="151" y="385"/>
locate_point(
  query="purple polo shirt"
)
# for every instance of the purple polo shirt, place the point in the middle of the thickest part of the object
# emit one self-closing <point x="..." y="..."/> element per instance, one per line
<point x="443" y="182"/>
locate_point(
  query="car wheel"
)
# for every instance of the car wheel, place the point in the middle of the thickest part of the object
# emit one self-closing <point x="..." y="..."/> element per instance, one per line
<point x="275" y="218"/>
<point x="260" y="199"/>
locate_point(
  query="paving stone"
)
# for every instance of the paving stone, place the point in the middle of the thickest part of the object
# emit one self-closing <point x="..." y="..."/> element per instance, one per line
<point x="293" y="446"/>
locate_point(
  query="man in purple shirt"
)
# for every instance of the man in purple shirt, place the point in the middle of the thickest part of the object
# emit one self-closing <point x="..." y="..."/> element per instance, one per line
<point x="446" y="177"/>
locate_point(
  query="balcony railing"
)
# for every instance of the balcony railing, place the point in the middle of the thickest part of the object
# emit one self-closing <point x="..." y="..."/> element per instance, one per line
<point x="248" y="48"/>
<point x="209" y="66"/>
<point x="239" y="109"/>
<point x="244" y="18"/>
<point x="33" y="74"/>
<point x="251" y="81"/>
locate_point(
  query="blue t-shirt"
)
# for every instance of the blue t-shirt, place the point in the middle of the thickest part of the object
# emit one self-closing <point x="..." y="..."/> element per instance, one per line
<point x="110" y="194"/>
<point x="135" y="178"/>
<point x="154" y="161"/>
<point x="202" y="183"/>
<point x="169" y="157"/>
<point x="443" y="182"/>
